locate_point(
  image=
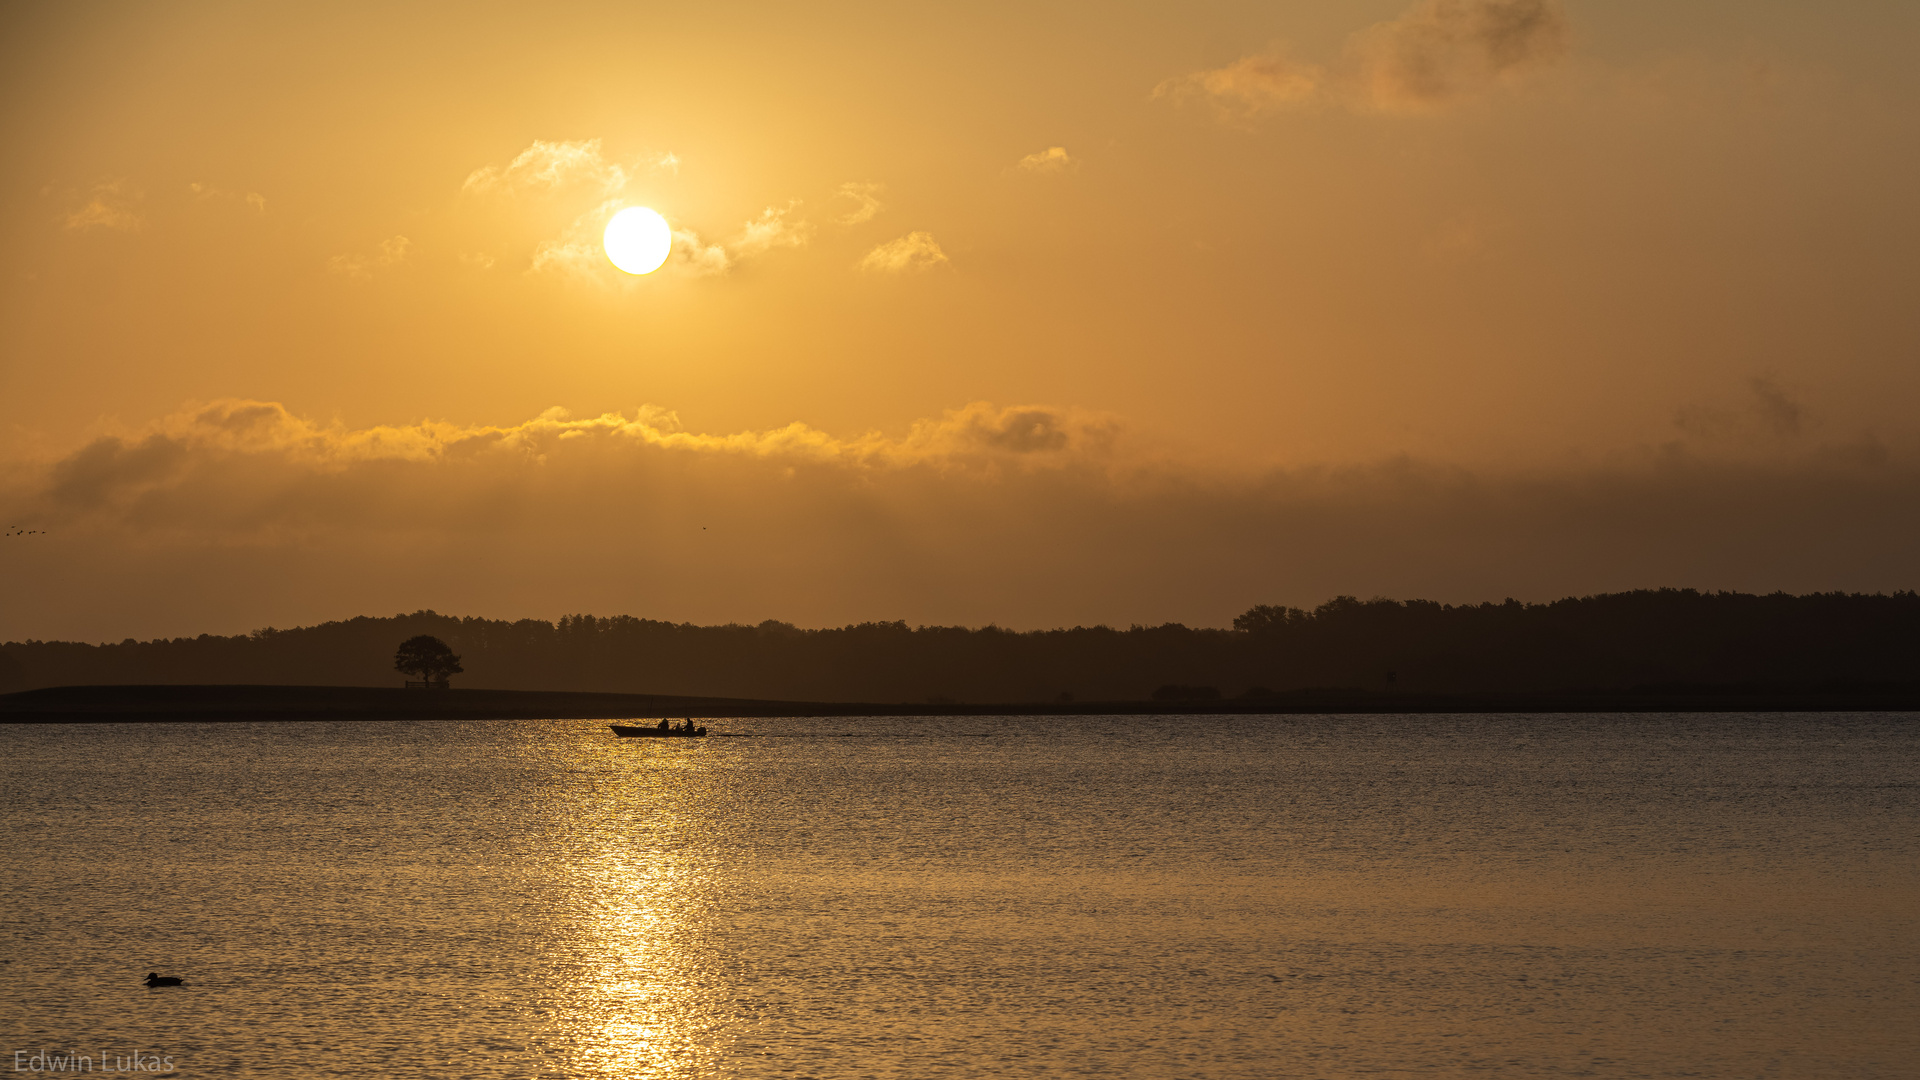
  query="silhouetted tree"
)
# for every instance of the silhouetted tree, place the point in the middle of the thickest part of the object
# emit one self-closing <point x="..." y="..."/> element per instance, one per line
<point x="428" y="657"/>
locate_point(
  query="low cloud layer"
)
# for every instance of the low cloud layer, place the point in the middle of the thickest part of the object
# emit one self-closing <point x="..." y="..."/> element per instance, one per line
<point x="1436" y="54"/>
<point x="239" y="513"/>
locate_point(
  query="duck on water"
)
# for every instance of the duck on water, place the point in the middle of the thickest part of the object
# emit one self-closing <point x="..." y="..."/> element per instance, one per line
<point x="154" y="978"/>
<point x="665" y="730"/>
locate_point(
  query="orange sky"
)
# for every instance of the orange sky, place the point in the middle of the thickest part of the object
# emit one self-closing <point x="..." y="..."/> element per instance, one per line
<point x="1082" y="314"/>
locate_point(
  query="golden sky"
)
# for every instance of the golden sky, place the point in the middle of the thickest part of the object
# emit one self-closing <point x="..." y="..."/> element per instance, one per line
<point x="1031" y="315"/>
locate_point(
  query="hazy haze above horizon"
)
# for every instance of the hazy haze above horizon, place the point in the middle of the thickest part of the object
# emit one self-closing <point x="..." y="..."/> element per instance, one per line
<point x="985" y="314"/>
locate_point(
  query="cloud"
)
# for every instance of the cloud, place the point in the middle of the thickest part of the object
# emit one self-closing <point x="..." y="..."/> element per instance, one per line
<point x="1769" y="415"/>
<point x="113" y="205"/>
<point x="581" y="173"/>
<point x="393" y="251"/>
<point x="1051" y="160"/>
<point x="545" y="166"/>
<point x="866" y="199"/>
<point x="1445" y="50"/>
<point x="580" y="251"/>
<point x="1436" y="54"/>
<point x="913" y="252"/>
<point x="954" y="438"/>
<point x="132" y="473"/>
<point x="696" y="257"/>
<point x="1031" y="515"/>
<point x="770" y="230"/>
<point x="253" y="199"/>
<point x="1251" y="84"/>
<point x="549" y="166"/>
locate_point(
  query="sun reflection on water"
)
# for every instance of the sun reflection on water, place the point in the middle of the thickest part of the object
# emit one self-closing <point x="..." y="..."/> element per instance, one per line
<point x="647" y="998"/>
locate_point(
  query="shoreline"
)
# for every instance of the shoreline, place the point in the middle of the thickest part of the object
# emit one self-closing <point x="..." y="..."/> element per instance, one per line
<point x="121" y="704"/>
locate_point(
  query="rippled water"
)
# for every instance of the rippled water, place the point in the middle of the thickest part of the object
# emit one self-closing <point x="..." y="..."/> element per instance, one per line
<point x="1723" y="896"/>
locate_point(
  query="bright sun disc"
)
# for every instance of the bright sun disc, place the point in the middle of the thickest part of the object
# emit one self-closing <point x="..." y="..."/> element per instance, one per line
<point x="637" y="240"/>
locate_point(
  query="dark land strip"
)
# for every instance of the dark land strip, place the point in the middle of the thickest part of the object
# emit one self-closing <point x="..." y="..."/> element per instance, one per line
<point x="243" y="704"/>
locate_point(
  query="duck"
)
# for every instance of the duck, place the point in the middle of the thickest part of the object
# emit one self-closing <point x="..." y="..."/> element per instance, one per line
<point x="154" y="978"/>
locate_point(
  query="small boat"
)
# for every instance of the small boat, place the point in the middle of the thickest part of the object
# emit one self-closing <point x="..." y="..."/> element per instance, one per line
<point x="626" y="732"/>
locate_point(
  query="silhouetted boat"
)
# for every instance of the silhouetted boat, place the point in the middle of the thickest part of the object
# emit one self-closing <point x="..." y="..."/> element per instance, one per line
<point x="626" y="732"/>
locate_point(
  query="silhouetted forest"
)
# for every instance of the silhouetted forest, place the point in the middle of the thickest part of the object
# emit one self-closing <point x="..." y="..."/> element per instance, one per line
<point x="1646" y="638"/>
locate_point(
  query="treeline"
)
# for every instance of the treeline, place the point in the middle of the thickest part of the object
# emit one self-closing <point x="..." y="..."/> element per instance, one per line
<point x="1646" y="638"/>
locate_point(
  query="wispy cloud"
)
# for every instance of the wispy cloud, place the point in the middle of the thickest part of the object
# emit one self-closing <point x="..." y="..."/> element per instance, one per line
<point x="1250" y="85"/>
<point x="696" y="257"/>
<point x="112" y="204"/>
<point x="775" y="227"/>
<point x="1445" y="50"/>
<point x="393" y="251"/>
<point x="1436" y="54"/>
<point x="547" y="166"/>
<point x="866" y="198"/>
<point x="916" y="251"/>
<point x="1051" y="160"/>
<point x="580" y="253"/>
<point x="580" y="171"/>
<point x="253" y="199"/>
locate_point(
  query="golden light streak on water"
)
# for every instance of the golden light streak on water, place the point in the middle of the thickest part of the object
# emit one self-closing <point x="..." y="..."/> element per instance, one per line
<point x="646" y="1002"/>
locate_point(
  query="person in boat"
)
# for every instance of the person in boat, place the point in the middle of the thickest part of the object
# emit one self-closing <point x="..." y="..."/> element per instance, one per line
<point x="664" y="723"/>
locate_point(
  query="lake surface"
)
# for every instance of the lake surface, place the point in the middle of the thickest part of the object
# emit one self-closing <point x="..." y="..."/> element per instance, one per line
<point x="1659" y="896"/>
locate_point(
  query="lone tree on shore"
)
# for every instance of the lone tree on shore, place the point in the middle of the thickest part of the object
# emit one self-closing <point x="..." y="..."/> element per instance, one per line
<point x="427" y="657"/>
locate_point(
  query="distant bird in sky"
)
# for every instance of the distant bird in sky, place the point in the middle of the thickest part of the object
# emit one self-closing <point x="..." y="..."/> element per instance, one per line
<point x="154" y="978"/>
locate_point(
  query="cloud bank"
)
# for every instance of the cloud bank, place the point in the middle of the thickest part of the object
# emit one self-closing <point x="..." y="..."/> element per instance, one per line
<point x="238" y="513"/>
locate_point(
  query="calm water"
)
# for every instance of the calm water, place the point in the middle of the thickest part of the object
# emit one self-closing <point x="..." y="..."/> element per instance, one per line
<point x="1729" y="896"/>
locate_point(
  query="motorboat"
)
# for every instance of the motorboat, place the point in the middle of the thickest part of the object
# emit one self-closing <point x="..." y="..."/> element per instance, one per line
<point x="628" y="732"/>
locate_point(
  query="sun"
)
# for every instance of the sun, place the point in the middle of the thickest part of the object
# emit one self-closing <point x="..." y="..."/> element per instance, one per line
<point x="638" y="240"/>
